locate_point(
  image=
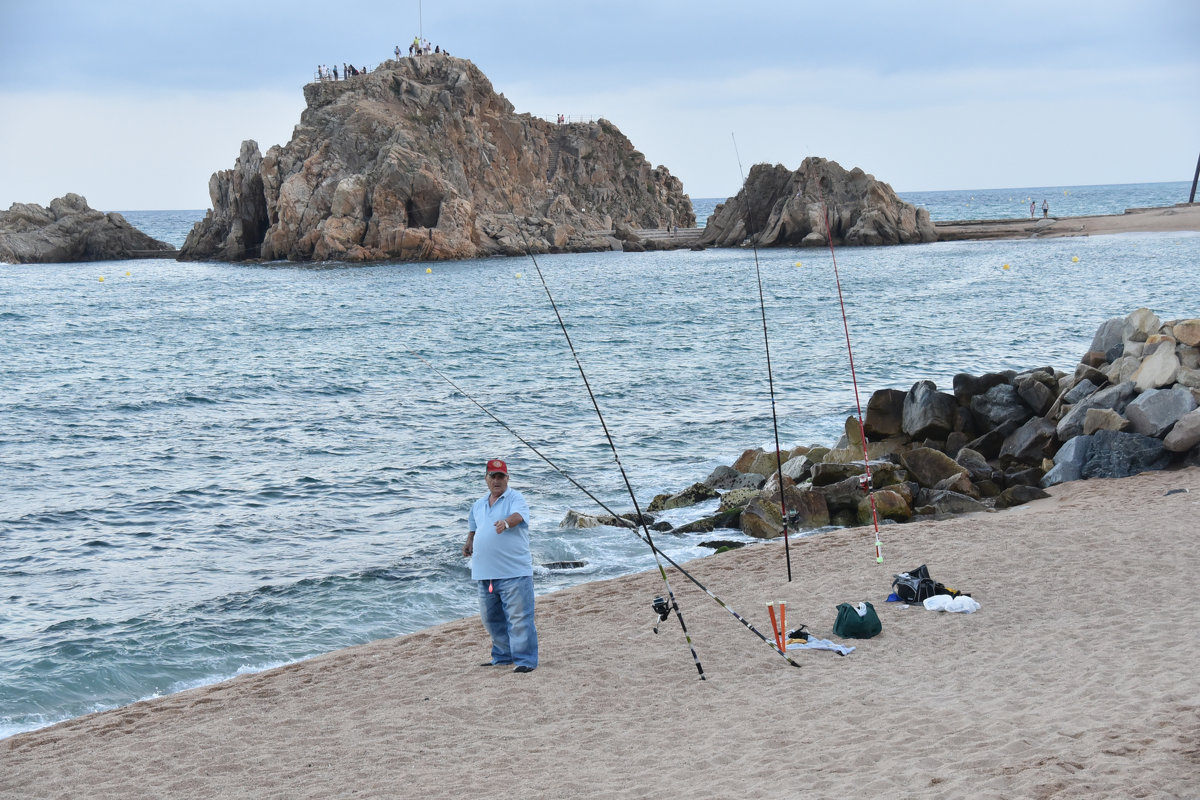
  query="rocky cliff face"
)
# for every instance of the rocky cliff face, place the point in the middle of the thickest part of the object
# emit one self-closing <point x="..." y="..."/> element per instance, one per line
<point x="784" y="208"/>
<point x="421" y="159"/>
<point x="70" y="230"/>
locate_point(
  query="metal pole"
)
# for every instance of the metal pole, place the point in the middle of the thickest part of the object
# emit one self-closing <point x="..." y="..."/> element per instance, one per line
<point x="1196" y="177"/>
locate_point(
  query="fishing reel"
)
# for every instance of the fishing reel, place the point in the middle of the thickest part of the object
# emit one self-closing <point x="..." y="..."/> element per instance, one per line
<point x="663" y="609"/>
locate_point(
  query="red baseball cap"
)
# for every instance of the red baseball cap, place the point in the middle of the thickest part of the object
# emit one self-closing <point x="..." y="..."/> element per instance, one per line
<point x="496" y="465"/>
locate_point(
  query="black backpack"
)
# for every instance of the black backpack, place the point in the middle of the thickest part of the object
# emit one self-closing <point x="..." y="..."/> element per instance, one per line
<point x="916" y="585"/>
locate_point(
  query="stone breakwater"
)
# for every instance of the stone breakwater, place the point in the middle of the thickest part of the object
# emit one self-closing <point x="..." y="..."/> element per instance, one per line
<point x="995" y="441"/>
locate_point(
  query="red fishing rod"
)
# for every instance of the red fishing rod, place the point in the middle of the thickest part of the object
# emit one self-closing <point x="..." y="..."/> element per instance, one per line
<point x="862" y="431"/>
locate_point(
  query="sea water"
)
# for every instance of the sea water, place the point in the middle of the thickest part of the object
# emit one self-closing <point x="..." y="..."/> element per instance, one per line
<point x="210" y="469"/>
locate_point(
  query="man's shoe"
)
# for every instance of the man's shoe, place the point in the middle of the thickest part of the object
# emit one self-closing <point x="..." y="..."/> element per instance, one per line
<point x="522" y="669"/>
<point x="495" y="663"/>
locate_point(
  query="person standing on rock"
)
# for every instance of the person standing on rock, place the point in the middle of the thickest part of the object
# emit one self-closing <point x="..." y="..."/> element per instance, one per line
<point x="397" y="52"/>
<point x="1032" y="207"/>
<point x="1045" y="208"/>
<point x="502" y="565"/>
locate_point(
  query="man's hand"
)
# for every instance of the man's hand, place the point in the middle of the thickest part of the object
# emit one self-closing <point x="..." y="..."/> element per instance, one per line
<point x="469" y="545"/>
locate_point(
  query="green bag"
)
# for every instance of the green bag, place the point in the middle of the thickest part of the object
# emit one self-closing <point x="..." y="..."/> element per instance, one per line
<point x="850" y="625"/>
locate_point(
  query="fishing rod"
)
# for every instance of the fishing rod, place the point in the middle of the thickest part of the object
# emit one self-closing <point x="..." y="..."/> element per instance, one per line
<point x="770" y="384"/>
<point x="612" y="446"/>
<point x="631" y="526"/>
<point x="862" y="430"/>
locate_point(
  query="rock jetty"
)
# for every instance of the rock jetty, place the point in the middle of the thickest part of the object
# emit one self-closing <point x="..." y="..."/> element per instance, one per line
<point x="421" y="159"/>
<point x="777" y="207"/>
<point x="71" y="230"/>
<point x="993" y="441"/>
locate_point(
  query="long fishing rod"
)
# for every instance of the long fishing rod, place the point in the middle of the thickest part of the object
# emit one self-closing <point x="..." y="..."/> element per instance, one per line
<point x="771" y="385"/>
<point x="862" y="430"/>
<point x="631" y="527"/>
<point x="612" y="446"/>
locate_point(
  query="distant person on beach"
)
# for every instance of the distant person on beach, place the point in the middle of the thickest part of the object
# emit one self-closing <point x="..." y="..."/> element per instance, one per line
<point x="1032" y="208"/>
<point x="1045" y="208"/>
<point x="502" y="565"/>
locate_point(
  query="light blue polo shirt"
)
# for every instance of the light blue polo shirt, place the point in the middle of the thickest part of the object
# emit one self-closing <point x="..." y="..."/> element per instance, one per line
<point x="500" y="555"/>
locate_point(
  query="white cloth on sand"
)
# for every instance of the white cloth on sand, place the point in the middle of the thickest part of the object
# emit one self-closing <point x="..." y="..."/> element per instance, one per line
<point x="814" y="643"/>
<point x="944" y="602"/>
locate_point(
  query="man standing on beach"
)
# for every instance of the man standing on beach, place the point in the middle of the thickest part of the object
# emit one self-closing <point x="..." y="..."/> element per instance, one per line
<point x="502" y="565"/>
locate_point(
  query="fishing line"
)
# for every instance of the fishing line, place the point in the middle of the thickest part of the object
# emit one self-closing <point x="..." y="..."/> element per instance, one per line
<point x="862" y="431"/>
<point x="637" y="509"/>
<point x="631" y="526"/>
<point x="770" y="382"/>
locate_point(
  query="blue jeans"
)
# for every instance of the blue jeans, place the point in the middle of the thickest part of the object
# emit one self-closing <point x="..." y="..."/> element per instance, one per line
<point x="507" y="613"/>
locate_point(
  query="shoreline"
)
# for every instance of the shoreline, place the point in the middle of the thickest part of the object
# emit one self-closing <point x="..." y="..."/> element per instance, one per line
<point x="1180" y="217"/>
<point x="1083" y="673"/>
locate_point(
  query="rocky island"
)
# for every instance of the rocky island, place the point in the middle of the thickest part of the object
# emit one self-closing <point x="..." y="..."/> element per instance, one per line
<point x="421" y="159"/>
<point x="71" y="230"/>
<point x="781" y="207"/>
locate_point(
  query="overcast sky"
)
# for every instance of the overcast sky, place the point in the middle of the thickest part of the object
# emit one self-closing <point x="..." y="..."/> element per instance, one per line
<point x="135" y="103"/>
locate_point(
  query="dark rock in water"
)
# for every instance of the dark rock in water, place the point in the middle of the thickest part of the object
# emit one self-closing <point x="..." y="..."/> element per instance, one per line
<point x="1019" y="495"/>
<point x="565" y="564"/>
<point x="722" y="544"/>
<point x="696" y="493"/>
<point x="68" y="231"/>
<point x="728" y="519"/>
<point x="420" y="159"/>
<point x="778" y="207"/>
<point x="1115" y="454"/>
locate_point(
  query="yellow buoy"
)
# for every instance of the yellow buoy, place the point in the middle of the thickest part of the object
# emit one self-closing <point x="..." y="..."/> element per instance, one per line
<point x="518" y="274"/>
<point x="798" y="264"/>
<point x="1005" y="266"/>
<point x="102" y="279"/>
<point x="127" y="274"/>
<point x="428" y="270"/>
<point x="1075" y="259"/>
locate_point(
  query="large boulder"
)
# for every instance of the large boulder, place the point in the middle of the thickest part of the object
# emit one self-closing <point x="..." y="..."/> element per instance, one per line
<point x="1185" y="435"/>
<point x="929" y="467"/>
<point x="1114" y="398"/>
<point x="928" y="413"/>
<point x="998" y="405"/>
<point x="779" y="207"/>
<point x="1154" y="412"/>
<point x="420" y="159"/>
<point x="71" y="230"/>
<point x="1116" y="454"/>
<point x="1069" y="461"/>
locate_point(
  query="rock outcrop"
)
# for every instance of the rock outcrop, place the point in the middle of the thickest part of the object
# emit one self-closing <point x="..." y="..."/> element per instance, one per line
<point x="422" y="159"/>
<point x="778" y="207"/>
<point x="997" y="441"/>
<point x="70" y="230"/>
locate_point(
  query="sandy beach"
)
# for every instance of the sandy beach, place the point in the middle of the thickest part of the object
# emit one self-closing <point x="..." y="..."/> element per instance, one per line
<point x="1182" y="217"/>
<point x="1076" y="678"/>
